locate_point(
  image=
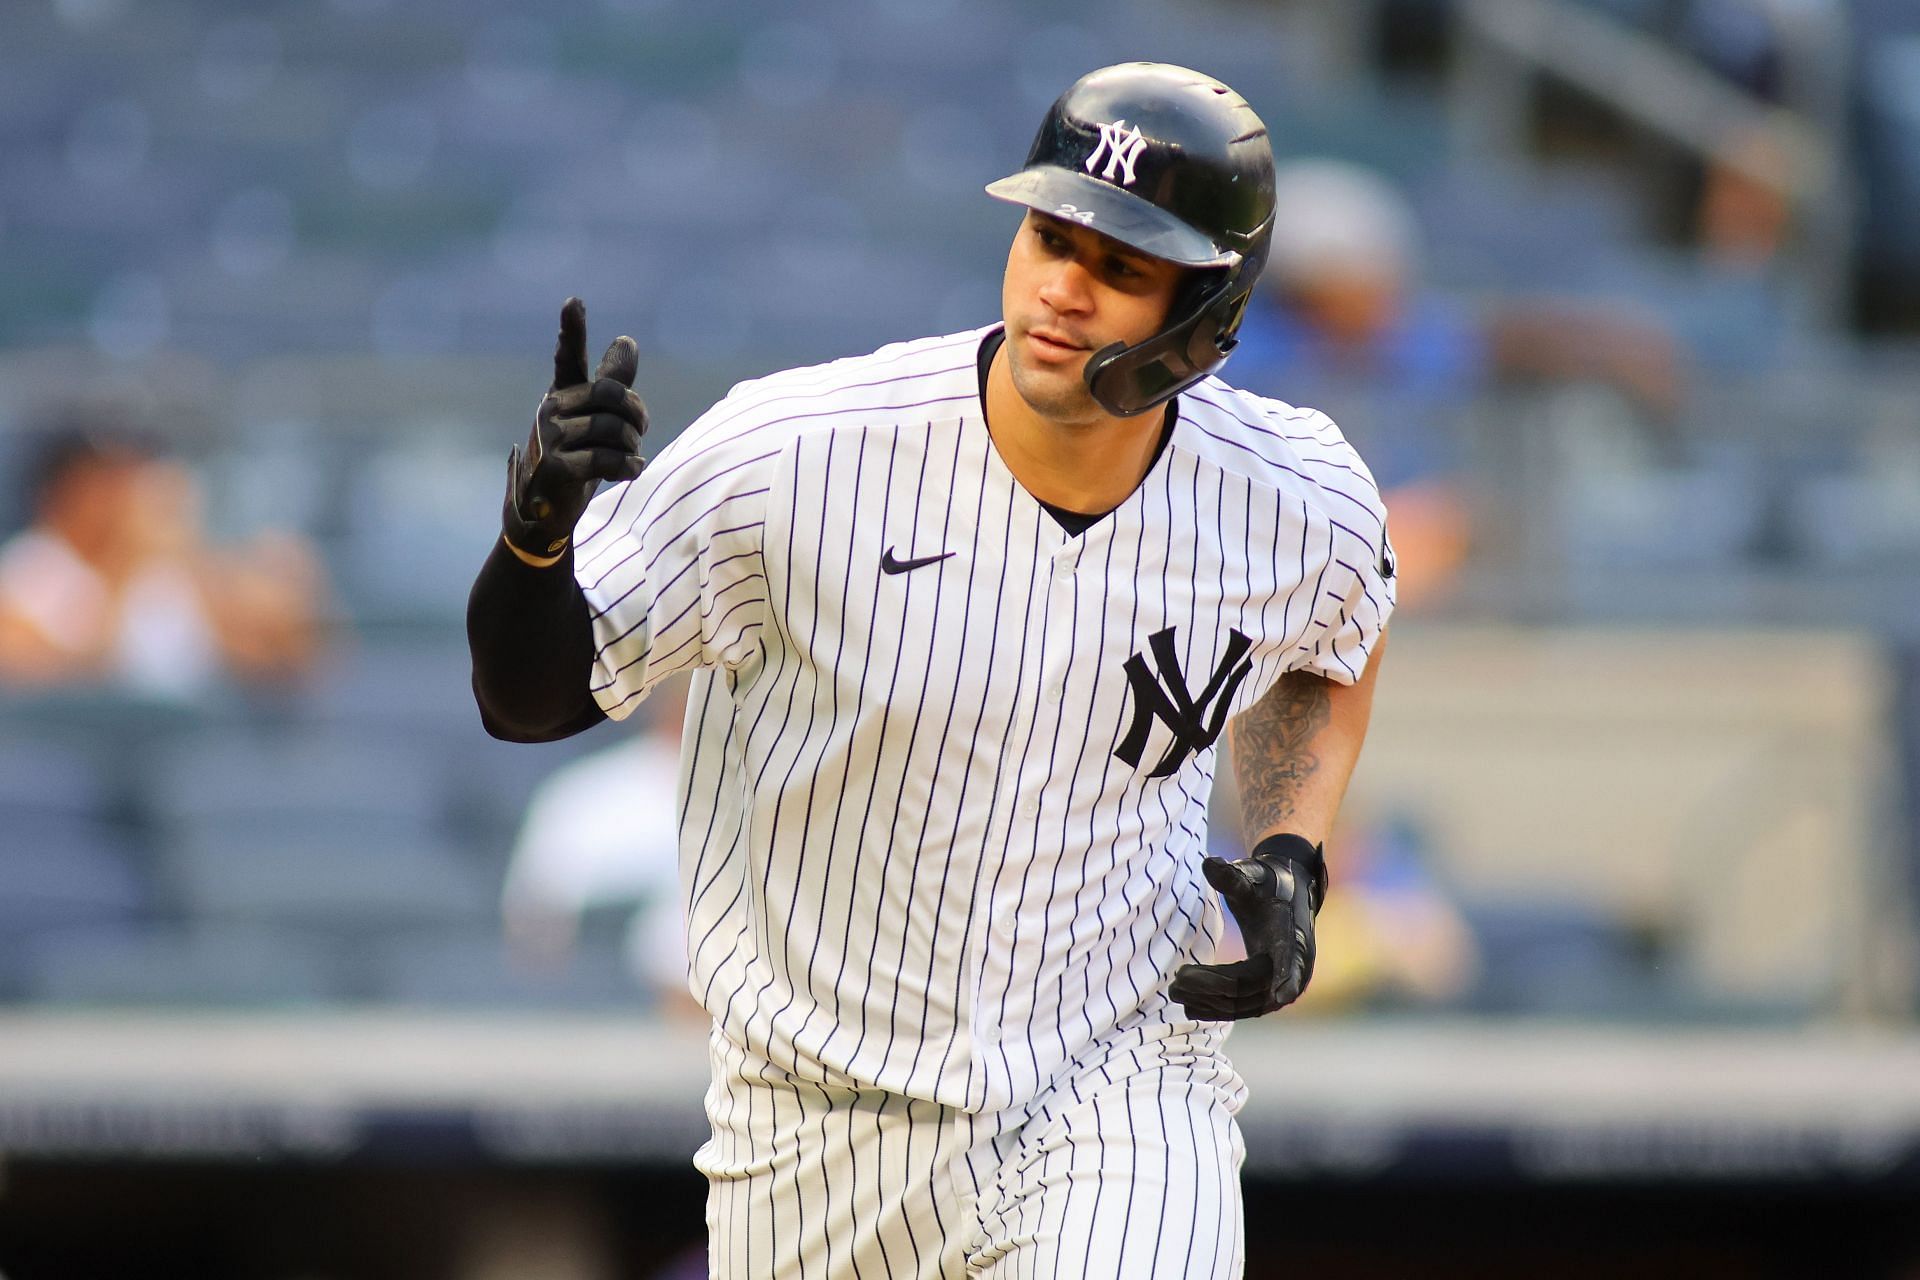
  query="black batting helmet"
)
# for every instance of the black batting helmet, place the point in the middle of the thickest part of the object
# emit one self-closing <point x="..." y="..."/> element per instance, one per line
<point x="1177" y="165"/>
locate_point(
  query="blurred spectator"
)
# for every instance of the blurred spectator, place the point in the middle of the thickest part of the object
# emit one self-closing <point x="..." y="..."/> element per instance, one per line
<point x="1744" y="303"/>
<point x="603" y="832"/>
<point x="1744" y="214"/>
<point x="1390" y="934"/>
<point x="1344" y="325"/>
<point x="114" y="582"/>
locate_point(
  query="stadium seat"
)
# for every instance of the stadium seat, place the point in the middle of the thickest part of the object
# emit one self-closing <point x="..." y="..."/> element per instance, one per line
<point x="56" y="874"/>
<point x="1670" y="518"/>
<point x="346" y="885"/>
<point x="409" y="690"/>
<point x="477" y="971"/>
<point x="38" y="778"/>
<point x="248" y="781"/>
<point x="218" y="967"/>
<point x="1546" y="958"/>
<point x="77" y="750"/>
<point x="439" y="501"/>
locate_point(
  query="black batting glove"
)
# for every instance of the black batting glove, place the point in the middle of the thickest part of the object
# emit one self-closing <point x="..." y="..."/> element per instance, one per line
<point x="1273" y="894"/>
<point x="586" y="430"/>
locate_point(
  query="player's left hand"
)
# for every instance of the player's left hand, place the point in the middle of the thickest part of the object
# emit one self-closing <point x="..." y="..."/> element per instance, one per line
<point x="1273" y="894"/>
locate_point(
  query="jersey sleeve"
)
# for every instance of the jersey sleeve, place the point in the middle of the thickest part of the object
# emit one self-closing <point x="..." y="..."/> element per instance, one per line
<point x="1357" y="591"/>
<point x="671" y="565"/>
<point x="1354" y="604"/>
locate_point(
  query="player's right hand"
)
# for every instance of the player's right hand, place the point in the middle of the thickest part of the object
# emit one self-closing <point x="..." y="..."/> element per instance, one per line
<point x="585" y="431"/>
<point x="1274" y="894"/>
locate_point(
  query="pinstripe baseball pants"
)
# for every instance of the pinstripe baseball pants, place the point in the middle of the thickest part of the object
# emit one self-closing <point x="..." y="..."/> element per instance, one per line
<point x="1125" y="1169"/>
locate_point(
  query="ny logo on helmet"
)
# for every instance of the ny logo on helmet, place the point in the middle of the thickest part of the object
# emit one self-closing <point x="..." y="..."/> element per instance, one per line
<point x="1122" y="147"/>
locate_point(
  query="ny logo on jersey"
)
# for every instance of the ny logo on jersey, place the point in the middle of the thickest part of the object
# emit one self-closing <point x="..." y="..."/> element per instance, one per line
<point x="1168" y="700"/>
<point x="1122" y="147"/>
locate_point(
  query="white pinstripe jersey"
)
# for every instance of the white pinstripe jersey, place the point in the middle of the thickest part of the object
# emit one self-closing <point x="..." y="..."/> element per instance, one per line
<point x="941" y="829"/>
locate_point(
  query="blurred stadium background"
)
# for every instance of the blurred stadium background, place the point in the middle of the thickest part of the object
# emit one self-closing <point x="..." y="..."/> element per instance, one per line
<point x="1625" y="982"/>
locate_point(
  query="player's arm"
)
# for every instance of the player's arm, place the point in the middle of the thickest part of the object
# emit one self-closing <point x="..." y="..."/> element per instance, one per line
<point x="528" y="626"/>
<point x="1293" y="753"/>
<point x="531" y="638"/>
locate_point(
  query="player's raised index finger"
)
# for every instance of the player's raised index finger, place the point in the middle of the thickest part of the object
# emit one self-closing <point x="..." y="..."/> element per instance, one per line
<point x="570" y="352"/>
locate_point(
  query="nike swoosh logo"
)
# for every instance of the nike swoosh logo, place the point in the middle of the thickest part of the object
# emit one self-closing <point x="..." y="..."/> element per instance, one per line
<point x="890" y="565"/>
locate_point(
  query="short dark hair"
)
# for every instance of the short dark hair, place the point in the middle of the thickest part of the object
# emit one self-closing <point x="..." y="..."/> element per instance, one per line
<point x="64" y="441"/>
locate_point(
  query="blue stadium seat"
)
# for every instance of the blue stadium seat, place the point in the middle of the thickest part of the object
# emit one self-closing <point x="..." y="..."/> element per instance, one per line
<point x="495" y="781"/>
<point x="248" y="781"/>
<point x="219" y="967"/>
<point x="57" y="874"/>
<point x="478" y="972"/>
<point x="346" y="885"/>
<point x="1555" y="958"/>
<point x="1488" y="227"/>
<point x="1675" y="518"/>
<point x="1866" y="517"/>
<point x="442" y="505"/>
<point x="42" y="778"/>
<point x="1645" y="14"/>
<point x="64" y="873"/>
<point x="396" y="691"/>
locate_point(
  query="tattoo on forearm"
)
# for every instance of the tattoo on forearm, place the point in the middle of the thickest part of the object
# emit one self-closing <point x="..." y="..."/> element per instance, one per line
<point x="1271" y="759"/>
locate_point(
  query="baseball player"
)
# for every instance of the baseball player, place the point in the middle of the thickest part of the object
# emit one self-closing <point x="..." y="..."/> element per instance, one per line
<point x="967" y="618"/>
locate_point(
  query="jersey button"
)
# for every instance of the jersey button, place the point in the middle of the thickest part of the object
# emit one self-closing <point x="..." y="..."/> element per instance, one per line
<point x="1005" y="921"/>
<point x="1056" y="691"/>
<point x="1030" y="809"/>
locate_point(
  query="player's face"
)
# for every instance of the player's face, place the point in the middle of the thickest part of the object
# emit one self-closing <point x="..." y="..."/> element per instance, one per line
<point x="1070" y="291"/>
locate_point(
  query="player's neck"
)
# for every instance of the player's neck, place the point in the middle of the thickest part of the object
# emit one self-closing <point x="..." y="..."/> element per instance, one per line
<point x="1082" y="466"/>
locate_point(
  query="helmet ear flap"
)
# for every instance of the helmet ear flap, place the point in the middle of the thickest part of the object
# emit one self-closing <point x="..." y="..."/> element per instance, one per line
<point x="1226" y="334"/>
<point x="1201" y="329"/>
<point x="1216" y="301"/>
